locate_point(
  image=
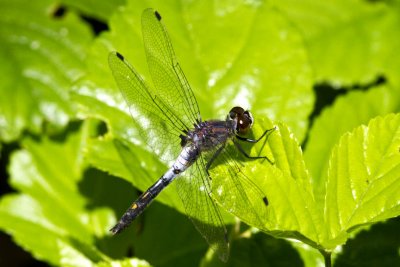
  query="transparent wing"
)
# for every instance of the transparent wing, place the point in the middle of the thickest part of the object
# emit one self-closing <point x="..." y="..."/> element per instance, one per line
<point x="194" y="190"/>
<point x="158" y="125"/>
<point x="168" y="77"/>
<point x="233" y="190"/>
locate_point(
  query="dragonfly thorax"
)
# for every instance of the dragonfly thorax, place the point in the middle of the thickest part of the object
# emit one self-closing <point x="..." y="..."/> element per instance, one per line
<point x="209" y="134"/>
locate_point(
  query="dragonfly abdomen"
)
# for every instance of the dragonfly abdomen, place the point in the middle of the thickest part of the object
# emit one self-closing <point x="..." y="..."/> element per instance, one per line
<point x="188" y="155"/>
<point x="143" y="201"/>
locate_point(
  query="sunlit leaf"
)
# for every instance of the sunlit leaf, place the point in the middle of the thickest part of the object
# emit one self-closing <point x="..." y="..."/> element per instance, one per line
<point x="282" y="38"/>
<point x="347" y="112"/>
<point x="124" y="263"/>
<point x="41" y="57"/>
<point x="350" y="42"/>
<point x="364" y="177"/>
<point x="285" y="184"/>
<point x="261" y="55"/>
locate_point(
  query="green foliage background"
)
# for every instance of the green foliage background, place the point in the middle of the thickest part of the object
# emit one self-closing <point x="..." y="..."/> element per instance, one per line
<point x="327" y="73"/>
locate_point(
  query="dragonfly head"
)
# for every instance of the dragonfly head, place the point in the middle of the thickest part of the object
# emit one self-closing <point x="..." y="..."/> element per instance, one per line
<point x="242" y="119"/>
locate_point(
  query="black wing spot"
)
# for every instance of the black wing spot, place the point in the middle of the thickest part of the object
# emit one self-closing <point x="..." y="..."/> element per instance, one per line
<point x="119" y="56"/>
<point x="158" y="16"/>
<point x="265" y="200"/>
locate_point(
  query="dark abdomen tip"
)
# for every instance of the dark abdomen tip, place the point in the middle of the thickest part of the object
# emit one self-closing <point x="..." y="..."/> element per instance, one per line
<point x="117" y="229"/>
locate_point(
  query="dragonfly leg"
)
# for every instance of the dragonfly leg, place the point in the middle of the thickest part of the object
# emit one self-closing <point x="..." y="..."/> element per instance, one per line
<point x="251" y="157"/>
<point x="219" y="150"/>
<point x="265" y="134"/>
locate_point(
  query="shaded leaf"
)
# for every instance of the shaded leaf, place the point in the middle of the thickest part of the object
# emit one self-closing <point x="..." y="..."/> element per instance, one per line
<point x="178" y="242"/>
<point x="258" y="250"/>
<point x="46" y="174"/>
<point x="381" y="251"/>
<point x="98" y="9"/>
<point x="117" y="158"/>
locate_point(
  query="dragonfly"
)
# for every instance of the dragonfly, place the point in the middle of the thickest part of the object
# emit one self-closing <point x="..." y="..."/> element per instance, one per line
<point x="168" y="116"/>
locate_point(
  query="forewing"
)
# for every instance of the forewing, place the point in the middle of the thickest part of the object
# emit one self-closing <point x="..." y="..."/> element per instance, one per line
<point x="233" y="190"/>
<point x="165" y="71"/>
<point x="158" y="125"/>
<point x="194" y="190"/>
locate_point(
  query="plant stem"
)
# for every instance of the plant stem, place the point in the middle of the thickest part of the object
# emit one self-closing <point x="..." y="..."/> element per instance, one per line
<point x="327" y="257"/>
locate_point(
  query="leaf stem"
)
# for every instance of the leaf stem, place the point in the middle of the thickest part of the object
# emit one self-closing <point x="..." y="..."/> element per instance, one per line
<point x="327" y="257"/>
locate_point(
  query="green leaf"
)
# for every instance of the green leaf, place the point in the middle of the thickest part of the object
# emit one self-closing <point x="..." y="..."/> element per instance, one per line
<point x="286" y="52"/>
<point x="233" y="53"/>
<point x="98" y="9"/>
<point x="360" y="251"/>
<point x="185" y="245"/>
<point x="363" y="183"/>
<point x="244" y="76"/>
<point x="46" y="173"/>
<point x="309" y="255"/>
<point x="258" y="250"/>
<point x="350" y="42"/>
<point x="22" y="216"/>
<point x="264" y="67"/>
<point x="347" y="112"/>
<point x="41" y="57"/>
<point x="291" y="210"/>
<point x="124" y="263"/>
<point x="117" y="158"/>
